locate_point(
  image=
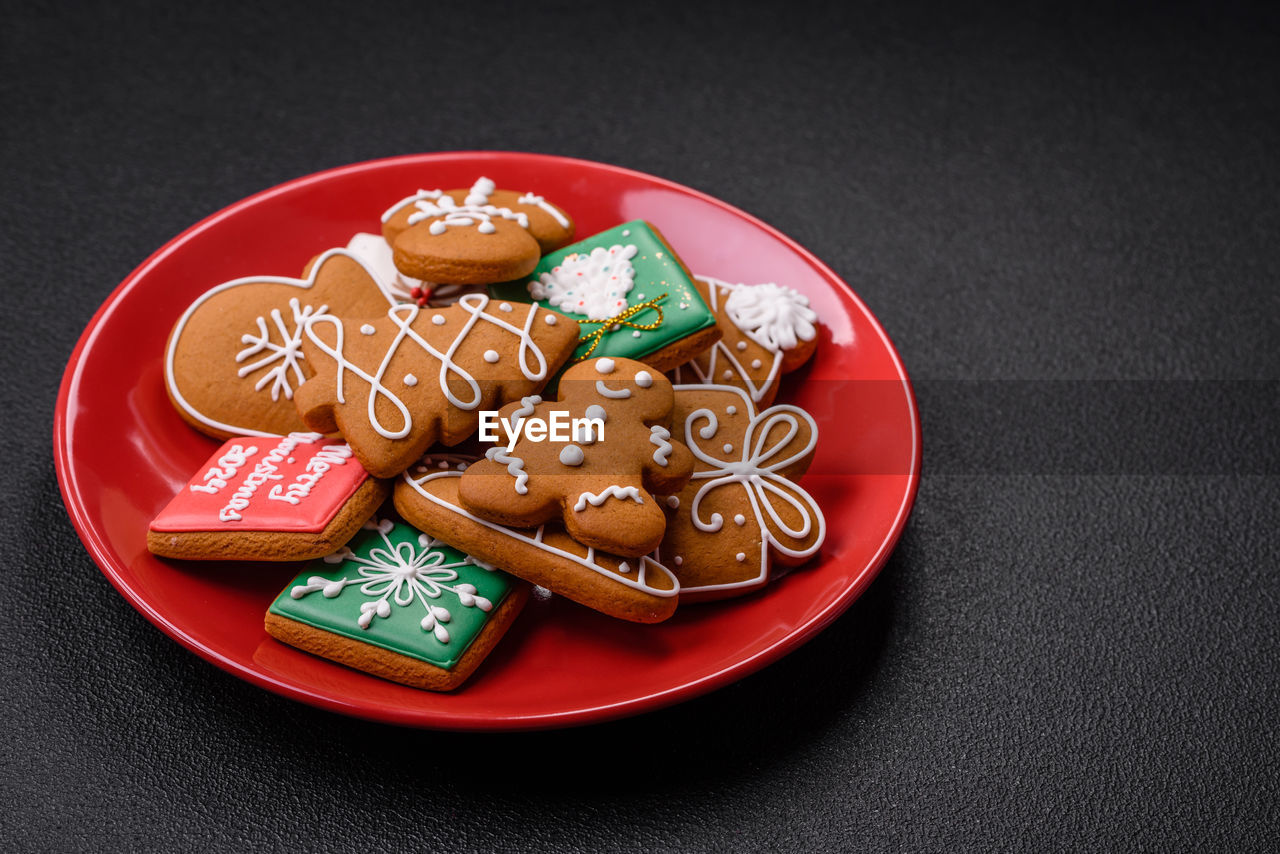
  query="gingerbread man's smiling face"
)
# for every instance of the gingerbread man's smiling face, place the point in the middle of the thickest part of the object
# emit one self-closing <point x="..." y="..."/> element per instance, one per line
<point x="647" y="392"/>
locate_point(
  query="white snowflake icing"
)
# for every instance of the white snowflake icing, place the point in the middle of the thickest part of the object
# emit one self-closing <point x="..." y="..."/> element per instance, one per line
<point x="401" y="574"/>
<point x="594" y="284"/>
<point x="287" y="354"/>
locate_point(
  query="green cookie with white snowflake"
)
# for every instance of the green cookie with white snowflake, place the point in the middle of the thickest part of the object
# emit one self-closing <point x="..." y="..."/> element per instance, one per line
<point x="397" y="604"/>
<point x="630" y="293"/>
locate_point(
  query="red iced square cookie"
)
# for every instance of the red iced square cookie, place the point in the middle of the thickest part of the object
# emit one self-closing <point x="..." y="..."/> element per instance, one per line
<point x="291" y="497"/>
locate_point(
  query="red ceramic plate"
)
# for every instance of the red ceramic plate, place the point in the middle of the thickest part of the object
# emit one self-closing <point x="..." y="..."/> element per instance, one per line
<point x="122" y="452"/>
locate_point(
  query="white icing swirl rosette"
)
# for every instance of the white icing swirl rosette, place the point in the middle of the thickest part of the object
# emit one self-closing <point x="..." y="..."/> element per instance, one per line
<point x="775" y="316"/>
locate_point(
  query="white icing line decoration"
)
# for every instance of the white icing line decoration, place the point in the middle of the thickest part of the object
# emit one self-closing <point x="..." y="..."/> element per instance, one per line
<point x="304" y="284"/>
<point x="615" y="394"/>
<point x="647" y="564"/>
<point x="658" y="435"/>
<point x="755" y="470"/>
<point x="532" y="199"/>
<point x="515" y="467"/>
<point x="596" y="499"/>
<point x="403" y="316"/>
<point x="288" y="353"/>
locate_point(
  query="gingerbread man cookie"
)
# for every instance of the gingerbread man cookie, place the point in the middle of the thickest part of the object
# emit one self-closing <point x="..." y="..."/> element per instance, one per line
<point x="395" y="385"/>
<point x="768" y="330"/>
<point x="601" y="486"/>
<point x="234" y="359"/>
<point x="475" y="236"/>
<point x="742" y="510"/>
<point x="640" y="590"/>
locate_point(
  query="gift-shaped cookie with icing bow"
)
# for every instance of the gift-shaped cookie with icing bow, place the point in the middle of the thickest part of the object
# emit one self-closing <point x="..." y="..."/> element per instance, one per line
<point x="396" y="384"/>
<point x="602" y="483"/>
<point x="742" y="511"/>
<point x="474" y="236"/>
<point x="768" y="330"/>
<point x="630" y="293"/>
<point x="234" y="358"/>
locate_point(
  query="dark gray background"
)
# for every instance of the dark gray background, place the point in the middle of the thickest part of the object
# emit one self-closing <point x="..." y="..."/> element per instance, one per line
<point x="1060" y="653"/>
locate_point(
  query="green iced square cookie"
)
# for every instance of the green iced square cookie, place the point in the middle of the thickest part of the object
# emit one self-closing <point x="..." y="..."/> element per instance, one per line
<point x="605" y="278"/>
<point x="396" y="588"/>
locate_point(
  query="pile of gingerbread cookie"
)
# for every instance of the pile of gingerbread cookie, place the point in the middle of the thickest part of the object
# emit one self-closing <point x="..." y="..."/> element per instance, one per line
<point x="441" y="416"/>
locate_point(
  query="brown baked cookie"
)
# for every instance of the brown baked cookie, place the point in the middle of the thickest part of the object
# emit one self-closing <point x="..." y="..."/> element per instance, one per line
<point x="475" y="236"/>
<point x="767" y="329"/>
<point x="234" y="358"/>
<point x="292" y="497"/>
<point x="742" y="509"/>
<point x="639" y="590"/>
<point x="397" y="604"/>
<point x="600" y="477"/>
<point x="396" y="384"/>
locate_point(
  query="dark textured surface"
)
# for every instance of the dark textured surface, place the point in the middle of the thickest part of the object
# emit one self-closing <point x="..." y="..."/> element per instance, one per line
<point x="1061" y="653"/>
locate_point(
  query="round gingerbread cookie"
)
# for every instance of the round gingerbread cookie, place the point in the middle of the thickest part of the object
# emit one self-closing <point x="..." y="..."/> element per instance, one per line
<point x="475" y="236"/>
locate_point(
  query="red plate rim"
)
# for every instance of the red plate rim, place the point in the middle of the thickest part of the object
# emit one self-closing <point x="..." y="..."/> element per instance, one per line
<point x="101" y="555"/>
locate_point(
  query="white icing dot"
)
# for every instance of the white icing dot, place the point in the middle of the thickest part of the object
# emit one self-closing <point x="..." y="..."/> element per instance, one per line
<point x="644" y="379"/>
<point x="604" y="366"/>
<point x="367" y="329"/>
<point x="595" y="410"/>
<point x="491" y="356"/>
<point x="290" y="461"/>
<point x="739" y="520"/>
<point x="740" y="557"/>
<point x="684" y="305"/>
<point x="437" y="319"/>
<point x="504" y="306"/>
<point x="635" y="334"/>
<point x="437" y="227"/>
<point x="462" y="466"/>
<point x="550" y="320"/>
<point x="741" y="345"/>
<point x="728" y="448"/>
<point x="626" y="232"/>
<point x="410" y="380"/>
<point x="639" y="296"/>
<point x="679" y="560"/>
<point x="755" y="364"/>
<point x="728" y="374"/>
<point x="624" y="567"/>
<point x="673" y="501"/>
<point x="731" y="410"/>
<point x="571" y="455"/>
<point x="442" y="465"/>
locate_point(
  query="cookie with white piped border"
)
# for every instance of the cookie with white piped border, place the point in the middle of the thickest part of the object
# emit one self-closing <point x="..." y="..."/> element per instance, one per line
<point x="743" y="510"/>
<point x="768" y="330"/>
<point x="473" y="236"/>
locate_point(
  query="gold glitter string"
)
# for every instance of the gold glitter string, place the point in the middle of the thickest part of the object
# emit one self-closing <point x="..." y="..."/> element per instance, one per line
<point x="619" y="320"/>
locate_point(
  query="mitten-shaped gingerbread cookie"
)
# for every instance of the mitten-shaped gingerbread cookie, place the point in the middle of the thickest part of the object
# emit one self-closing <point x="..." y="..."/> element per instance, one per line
<point x="473" y="237"/>
<point x="234" y="358"/>
<point x="767" y="330"/>
<point x="602" y="482"/>
<point x="395" y="385"/>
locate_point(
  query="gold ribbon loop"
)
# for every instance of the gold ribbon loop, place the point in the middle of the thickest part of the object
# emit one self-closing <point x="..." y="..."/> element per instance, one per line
<point x="620" y="319"/>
